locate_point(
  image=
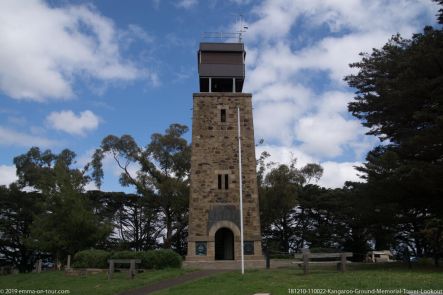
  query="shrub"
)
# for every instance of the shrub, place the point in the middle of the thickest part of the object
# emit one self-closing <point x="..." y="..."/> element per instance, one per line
<point x="163" y="258"/>
<point x="154" y="259"/>
<point x="91" y="259"/>
<point x="127" y="255"/>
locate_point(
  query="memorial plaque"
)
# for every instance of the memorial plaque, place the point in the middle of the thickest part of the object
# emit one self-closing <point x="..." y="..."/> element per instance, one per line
<point x="248" y="247"/>
<point x="201" y="248"/>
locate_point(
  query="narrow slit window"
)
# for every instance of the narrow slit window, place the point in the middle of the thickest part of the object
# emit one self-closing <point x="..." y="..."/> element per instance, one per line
<point x="219" y="181"/>
<point x="226" y="181"/>
<point x="223" y="115"/>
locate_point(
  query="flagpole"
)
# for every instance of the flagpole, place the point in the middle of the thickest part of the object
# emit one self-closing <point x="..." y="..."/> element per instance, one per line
<point x="241" y="193"/>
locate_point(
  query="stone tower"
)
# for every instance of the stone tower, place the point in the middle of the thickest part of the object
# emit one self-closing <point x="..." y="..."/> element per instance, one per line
<point x="214" y="214"/>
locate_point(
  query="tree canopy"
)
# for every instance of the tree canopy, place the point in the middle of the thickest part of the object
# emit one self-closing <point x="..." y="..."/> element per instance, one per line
<point x="399" y="98"/>
<point x="162" y="176"/>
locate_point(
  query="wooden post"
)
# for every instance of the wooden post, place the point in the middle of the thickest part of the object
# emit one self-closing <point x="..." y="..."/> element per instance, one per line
<point x="68" y="263"/>
<point x="132" y="269"/>
<point x="408" y="258"/>
<point x="306" y="263"/>
<point x="343" y="262"/>
<point x="39" y="265"/>
<point x="111" y="269"/>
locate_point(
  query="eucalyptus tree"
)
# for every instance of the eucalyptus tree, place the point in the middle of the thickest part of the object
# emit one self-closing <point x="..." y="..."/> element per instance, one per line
<point x="161" y="177"/>
<point x="66" y="222"/>
<point x="280" y="188"/>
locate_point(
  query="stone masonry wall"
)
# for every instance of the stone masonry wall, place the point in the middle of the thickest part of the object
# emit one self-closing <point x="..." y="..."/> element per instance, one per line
<point x="215" y="151"/>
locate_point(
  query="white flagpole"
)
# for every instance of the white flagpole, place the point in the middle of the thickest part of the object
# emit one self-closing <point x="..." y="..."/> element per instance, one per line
<point x="241" y="194"/>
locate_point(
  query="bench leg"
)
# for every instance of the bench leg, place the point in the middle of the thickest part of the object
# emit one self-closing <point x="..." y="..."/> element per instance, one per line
<point x="343" y="262"/>
<point x="132" y="269"/>
<point x="305" y="263"/>
<point x="111" y="270"/>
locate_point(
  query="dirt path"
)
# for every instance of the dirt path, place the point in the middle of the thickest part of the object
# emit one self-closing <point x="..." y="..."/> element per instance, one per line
<point x="192" y="276"/>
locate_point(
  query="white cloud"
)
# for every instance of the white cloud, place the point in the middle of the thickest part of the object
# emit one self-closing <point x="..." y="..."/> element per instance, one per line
<point x="275" y="18"/>
<point x="325" y="135"/>
<point x="273" y="121"/>
<point x="12" y="137"/>
<point x="284" y="154"/>
<point x="334" y="54"/>
<point x="333" y="102"/>
<point x="284" y="91"/>
<point x="69" y="122"/>
<point x="296" y="76"/>
<point x="186" y="4"/>
<point x="7" y="175"/>
<point x="317" y="124"/>
<point x="336" y="174"/>
<point x="298" y="52"/>
<point x="45" y="50"/>
<point x="90" y="186"/>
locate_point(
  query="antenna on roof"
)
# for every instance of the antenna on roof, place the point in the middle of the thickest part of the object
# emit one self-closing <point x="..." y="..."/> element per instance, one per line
<point x="225" y="36"/>
<point x="242" y="28"/>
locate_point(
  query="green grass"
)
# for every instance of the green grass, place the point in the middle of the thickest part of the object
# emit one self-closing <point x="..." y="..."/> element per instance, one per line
<point x="91" y="284"/>
<point x="276" y="281"/>
<point x="279" y="281"/>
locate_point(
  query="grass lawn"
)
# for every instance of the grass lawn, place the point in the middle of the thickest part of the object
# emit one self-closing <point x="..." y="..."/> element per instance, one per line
<point x="279" y="281"/>
<point x="91" y="284"/>
<point x="276" y="281"/>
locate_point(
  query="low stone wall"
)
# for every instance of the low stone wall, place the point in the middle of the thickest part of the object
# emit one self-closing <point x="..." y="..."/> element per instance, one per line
<point x="234" y="265"/>
<point x="75" y="272"/>
<point x="224" y="264"/>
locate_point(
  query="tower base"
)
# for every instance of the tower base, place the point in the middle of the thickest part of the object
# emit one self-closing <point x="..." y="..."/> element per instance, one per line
<point x="254" y="262"/>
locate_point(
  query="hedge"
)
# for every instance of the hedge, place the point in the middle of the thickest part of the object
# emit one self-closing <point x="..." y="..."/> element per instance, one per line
<point x="153" y="259"/>
<point x="91" y="259"/>
<point x="162" y="258"/>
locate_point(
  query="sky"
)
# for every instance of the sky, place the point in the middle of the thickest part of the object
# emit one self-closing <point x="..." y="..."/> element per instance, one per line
<point x="73" y="72"/>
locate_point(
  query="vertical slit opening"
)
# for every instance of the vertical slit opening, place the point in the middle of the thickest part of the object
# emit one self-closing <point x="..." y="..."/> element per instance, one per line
<point x="223" y="115"/>
<point x="226" y="181"/>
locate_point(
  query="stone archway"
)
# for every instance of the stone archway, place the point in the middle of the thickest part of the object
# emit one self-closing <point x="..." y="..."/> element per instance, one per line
<point x="224" y="223"/>
<point x="224" y="244"/>
<point x="224" y="236"/>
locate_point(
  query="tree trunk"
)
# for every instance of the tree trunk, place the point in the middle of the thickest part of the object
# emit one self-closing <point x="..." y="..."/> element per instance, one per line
<point x="285" y="234"/>
<point x="436" y="259"/>
<point x="437" y="248"/>
<point x="168" y="218"/>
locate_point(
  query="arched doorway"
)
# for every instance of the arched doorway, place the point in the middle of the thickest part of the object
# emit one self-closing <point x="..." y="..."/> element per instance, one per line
<point x="224" y="244"/>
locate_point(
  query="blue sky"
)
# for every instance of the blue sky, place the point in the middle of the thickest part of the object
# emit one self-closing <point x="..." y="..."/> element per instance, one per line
<point x="72" y="72"/>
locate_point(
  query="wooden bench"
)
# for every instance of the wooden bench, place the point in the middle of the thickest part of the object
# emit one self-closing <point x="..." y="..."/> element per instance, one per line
<point x="332" y="258"/>
<point x="131" y="262"/>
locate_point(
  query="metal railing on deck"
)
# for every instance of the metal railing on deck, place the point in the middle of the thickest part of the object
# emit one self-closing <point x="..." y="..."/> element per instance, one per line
<point x="222" y="36"/>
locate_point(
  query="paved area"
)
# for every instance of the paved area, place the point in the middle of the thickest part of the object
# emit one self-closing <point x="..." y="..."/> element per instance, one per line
<point x="192" y="276"/>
